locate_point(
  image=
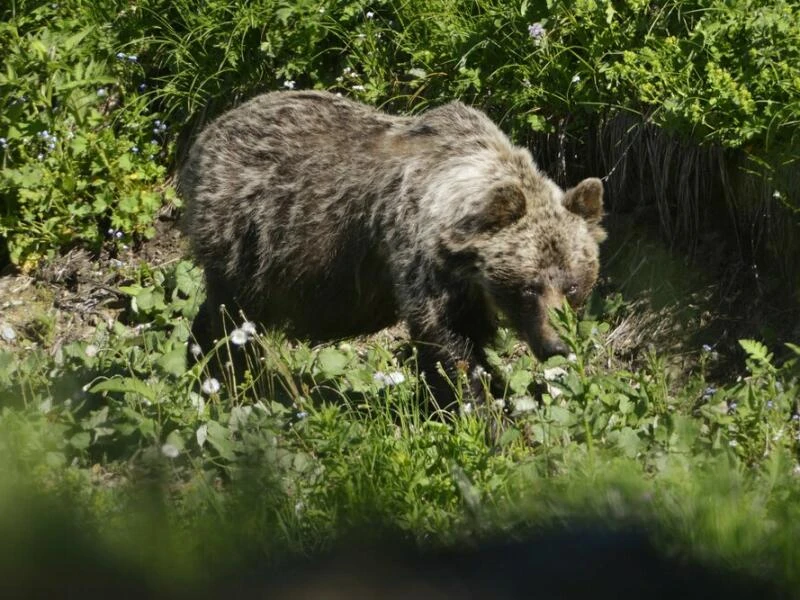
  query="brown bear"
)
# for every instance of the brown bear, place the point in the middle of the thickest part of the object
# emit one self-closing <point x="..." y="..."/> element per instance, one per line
<point x="331" y="219"/>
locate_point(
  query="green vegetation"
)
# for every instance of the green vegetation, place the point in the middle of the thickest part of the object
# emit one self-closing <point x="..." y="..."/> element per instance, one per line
<point x="111" y="428"/>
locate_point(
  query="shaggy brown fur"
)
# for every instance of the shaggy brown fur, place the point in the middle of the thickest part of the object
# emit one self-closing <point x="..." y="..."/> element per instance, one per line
<point x="324" y="216"/>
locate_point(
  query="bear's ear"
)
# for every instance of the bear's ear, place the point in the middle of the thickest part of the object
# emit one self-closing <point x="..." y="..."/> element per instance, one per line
<point x="586" y="200"/>
<point x="504" y="206"/>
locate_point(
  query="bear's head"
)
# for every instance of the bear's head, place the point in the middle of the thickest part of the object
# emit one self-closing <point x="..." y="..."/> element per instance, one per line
<point x="531" y="247"/>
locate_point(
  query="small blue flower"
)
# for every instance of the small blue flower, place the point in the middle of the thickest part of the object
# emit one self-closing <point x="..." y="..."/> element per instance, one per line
<point x="142" y="87"/>
<point x="133" y="58"/>
<point x="709" y="391"/>
<point x="732" y="407"/>
<point x="706" y="348"/>
<point x="536" y="31"/>
<point x="135" y="149"/>
<point x="118" y="234"/>
<point x="3" y="142"/>
<point x="102" y="92"/>
<point x="302" y="415"/>
<point x="121" y="56"/>
<point x="770" y="404"/>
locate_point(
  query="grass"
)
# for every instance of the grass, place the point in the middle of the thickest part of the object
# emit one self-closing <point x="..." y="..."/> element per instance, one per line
<point x="184" y="484"/>
<point x="121" y="468"/>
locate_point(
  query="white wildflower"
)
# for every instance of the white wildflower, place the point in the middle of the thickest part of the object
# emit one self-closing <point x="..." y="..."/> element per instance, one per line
<point x="201" y="435"/>
<point x="576" y="78"/>
<point x="170" y="451"/>
<point x="522" y="405"/>
<point x="210" y="386"/>
<point x="389" y="379"/>
<point x="288" y="84"/>
<point x="7" y="333"/>
<point x="249" y="328"/>
<point x="554" y="373"/>
<point x="238" y="337"/>
<point x="91" y="350"/>
<point x="370" y="14"/>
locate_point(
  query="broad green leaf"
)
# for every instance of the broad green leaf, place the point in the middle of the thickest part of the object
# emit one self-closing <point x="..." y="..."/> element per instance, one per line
<point x="332" y="362"/>
<point x="173" y="362"/>
<point x="126" y="385"/>
<point x="219" y="437"/>
<point x="81" y="441"/>
<point x="754" y="349"/>
<point x="520" y="380"/>
<point x="509" y="435"/>
<point x="628" y="441"/>
<point x="174" y="438"/>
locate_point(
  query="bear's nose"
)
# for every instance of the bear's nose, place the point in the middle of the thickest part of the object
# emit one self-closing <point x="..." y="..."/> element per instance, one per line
<point x="554" y="347"/>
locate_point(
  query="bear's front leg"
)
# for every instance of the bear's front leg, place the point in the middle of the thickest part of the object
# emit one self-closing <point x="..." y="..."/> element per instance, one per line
<point x="450" y="365"/>
<point x="450" y="323"/>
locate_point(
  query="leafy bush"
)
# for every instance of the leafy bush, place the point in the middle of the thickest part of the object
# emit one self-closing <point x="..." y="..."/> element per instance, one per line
<point x="73" y="172"/>
<point x="724" y="73"/>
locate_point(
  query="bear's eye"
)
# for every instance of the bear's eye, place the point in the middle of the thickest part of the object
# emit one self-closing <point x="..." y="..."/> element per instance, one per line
<point x="529" y="292"/>
<point x="572" y="291"/>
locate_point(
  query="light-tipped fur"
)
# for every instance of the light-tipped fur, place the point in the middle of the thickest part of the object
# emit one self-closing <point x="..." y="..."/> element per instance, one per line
<point x="315" y="213"/>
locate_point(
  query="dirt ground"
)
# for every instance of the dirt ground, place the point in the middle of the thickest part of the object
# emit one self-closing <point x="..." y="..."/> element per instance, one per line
<point x="67" y="297"/>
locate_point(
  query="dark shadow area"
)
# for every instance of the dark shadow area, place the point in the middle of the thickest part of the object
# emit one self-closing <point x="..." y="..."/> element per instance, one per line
<point x="57" y="558"/>
<point x="702" y="225"/>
